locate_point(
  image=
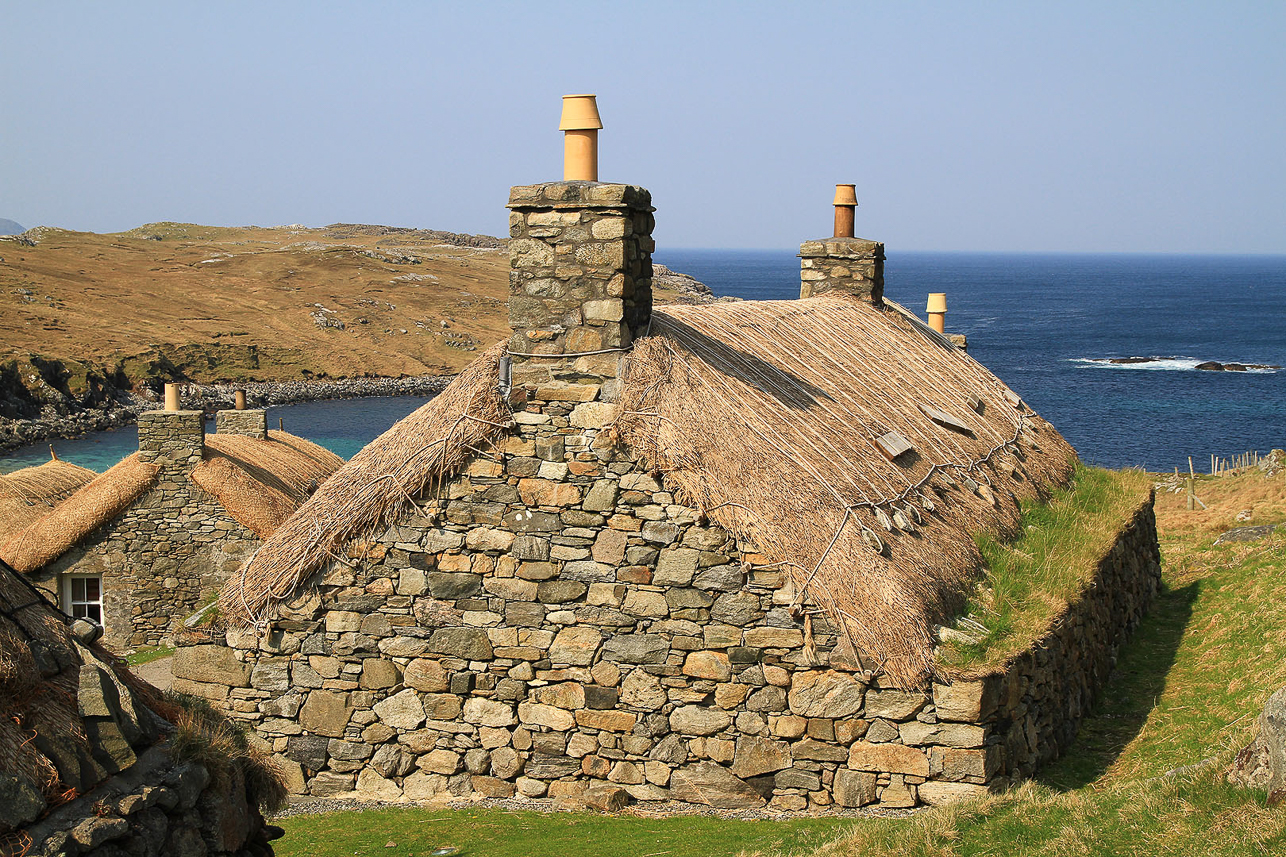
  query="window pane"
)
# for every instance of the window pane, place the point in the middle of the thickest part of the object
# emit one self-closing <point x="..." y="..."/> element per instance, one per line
<point x="92" y="585"/>
<point x="77" y="589"/>
<point x="94" y="612"/>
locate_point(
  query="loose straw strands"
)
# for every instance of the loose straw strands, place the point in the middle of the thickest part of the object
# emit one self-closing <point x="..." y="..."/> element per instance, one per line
<point x="366" y="494"/>
<point x="764" y="416"/>
<point x="75" y="518"/>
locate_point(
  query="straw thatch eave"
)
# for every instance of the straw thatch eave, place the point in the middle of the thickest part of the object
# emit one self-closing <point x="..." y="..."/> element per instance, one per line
<point x="261" y="482"/>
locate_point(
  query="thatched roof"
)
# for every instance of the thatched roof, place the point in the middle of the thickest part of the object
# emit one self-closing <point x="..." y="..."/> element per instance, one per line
<point x="259" y="482"/>
<point x="764" y="416"/>
<point x="262" y="482"/>
<point x="28" y="493"/>
<point x="100" y="500"/>
<point x="70" y="714"/>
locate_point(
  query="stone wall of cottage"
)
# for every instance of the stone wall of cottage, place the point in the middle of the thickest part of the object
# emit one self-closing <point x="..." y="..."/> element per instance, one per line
<point x="160" y="556"/>
<point x="555" y="621"/>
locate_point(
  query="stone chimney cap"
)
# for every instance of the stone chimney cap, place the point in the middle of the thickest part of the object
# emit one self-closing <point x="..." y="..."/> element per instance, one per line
<point x="580" y="113"/>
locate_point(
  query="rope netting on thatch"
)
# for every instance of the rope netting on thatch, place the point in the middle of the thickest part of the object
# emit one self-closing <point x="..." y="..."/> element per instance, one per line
<point x="29" y="493"/>
<point x="764" y="417"/>
<point x="262" y="482"/>
<point x="367" y="492"/>
<point x="93" y="505"/>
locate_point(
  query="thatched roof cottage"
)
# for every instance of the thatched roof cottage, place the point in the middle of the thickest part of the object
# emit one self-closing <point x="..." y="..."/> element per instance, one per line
<point x="694" y="553"/>
<point x="136" y="547"/>
<point x="90" y="755"/>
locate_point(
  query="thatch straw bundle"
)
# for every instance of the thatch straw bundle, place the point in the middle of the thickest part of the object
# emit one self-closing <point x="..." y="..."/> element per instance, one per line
<point x="29" y="493"/>
<point x="75" y="518"/>
<point x="368" y="492"/>
<point x="262" y="482"/>
<point x="764" y="417"/>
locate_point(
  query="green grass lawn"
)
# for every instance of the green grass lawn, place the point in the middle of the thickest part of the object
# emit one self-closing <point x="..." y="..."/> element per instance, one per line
<point x="499" y="833"/>
<point x="1186" y="691"/>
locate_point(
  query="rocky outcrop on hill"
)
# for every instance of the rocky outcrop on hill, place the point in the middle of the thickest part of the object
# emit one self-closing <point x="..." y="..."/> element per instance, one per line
<point x="689" y="290"/>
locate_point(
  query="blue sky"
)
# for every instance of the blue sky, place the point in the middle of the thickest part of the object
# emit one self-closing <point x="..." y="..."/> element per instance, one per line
<point x="1145" y="127"/>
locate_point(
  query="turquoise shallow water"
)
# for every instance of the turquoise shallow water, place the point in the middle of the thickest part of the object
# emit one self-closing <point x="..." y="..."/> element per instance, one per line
<point x="343" y="426"/>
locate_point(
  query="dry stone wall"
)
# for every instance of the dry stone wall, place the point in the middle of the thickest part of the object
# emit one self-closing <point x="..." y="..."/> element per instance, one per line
<point x="555" y="621"/>
<point x="580" y="271"/>
<point x="252" y="422"/>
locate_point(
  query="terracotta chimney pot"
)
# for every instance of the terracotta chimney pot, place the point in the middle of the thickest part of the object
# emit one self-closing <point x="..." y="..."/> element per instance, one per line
<point x="172" y="397"/>
<point x="845" y="203"/>
<point x="580" y="124"/>
<point x="937" y="310"/>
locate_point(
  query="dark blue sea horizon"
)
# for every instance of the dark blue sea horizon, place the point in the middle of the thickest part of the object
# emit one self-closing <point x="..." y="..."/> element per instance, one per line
<point x="1044" y="323"/>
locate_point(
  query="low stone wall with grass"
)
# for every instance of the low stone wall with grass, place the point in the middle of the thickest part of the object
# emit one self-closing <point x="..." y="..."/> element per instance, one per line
<point x="553" y="623"/>
<point x="1034" y="702"/>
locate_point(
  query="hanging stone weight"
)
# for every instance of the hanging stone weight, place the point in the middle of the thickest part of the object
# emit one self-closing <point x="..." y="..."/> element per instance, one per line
<point x="914" y="514"/>
<point x="987" y="494"/>
<point x="885" y="521"/>
<point x="873" y="541"/>
<point x="970" y="485"/>
<point x="926" y="503"/>
<point x="902" y="521"/>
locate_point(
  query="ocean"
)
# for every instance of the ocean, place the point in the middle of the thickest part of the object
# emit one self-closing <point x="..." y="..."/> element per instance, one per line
<point x="1046" y="324"/>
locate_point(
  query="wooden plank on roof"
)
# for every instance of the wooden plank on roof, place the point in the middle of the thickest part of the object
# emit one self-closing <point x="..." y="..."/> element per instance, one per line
<point x="893" y="445"/>
<point x="943" y="418"/>
<point x="1012" y="398"/>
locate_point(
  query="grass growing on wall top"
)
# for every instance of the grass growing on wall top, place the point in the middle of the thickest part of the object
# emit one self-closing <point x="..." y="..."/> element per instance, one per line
<point x="1031" y="580"/>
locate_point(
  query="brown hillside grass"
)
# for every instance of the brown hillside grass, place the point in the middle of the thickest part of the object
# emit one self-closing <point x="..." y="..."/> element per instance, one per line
<point x="204" y="296"/>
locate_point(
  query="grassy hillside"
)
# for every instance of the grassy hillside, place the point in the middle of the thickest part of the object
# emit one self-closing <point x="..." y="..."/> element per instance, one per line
<point x="252" y="303"/>
<point x="1146" y="776"/>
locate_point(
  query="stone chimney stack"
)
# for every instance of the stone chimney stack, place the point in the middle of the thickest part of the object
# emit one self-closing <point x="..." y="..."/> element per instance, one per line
<point x="842" y="263"/>
<point x="251" y="422"/>
<point x="172" y="438"/>
<point x="580" y="280"/>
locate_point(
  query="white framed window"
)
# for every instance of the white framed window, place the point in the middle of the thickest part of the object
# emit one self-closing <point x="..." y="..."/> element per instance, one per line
<point x="83" y="596"/>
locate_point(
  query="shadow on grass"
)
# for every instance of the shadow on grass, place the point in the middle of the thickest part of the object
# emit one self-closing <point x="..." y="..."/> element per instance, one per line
<point x="1130" y="694"/>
